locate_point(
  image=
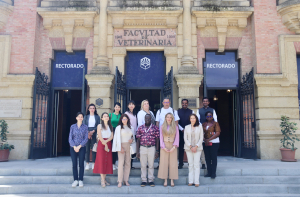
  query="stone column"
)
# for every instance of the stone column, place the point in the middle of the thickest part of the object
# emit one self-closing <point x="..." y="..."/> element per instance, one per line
<point x="102" y="60"/>
<point x="187" y="61"/>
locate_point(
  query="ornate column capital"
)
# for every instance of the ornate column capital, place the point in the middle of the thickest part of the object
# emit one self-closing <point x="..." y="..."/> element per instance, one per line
<point x="290" y="14"/>
<point x="6" y="9"/>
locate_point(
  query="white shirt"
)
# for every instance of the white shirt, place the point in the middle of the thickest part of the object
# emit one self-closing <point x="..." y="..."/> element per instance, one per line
<point x="141" y="117"/>
<point x="161" y="113"/>
<point x="106" y="133"/>
<point x="214" y="116"/>
<point x="92" y="121"/>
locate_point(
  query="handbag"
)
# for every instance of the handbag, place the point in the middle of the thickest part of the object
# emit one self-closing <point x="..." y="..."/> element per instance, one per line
<point x="133" y="148"/>
<point x="95" y="147"/>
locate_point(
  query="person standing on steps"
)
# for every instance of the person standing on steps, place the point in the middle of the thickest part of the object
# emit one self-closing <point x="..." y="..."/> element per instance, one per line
<point x="103" y="164"/>
<point x="193" y="138"/>
<point x="78" y="138"/>
<point x="147" y="149"/>
<point x="91" y="119"/>
<point x="184" y="115"/>
<point x="123" y="139"/>
<point x="145" y="109"/>
<point x="115" y="118"/>
<point x="169" y="142"/>
<point x="212" y="142"/>
<point x="202" y="118"/>
<point x="131" y="113"/>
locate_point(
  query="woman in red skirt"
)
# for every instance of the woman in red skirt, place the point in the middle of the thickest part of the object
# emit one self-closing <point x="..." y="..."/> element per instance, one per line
<point x="103" y="163"/>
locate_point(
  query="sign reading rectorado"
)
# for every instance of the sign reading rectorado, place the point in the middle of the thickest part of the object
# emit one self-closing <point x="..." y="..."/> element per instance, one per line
<point x="145" y="37"/>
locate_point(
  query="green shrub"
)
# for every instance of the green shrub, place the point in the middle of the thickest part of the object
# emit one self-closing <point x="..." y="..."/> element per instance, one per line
<point x="288" y="130"/>
<point x="3" y="135"/>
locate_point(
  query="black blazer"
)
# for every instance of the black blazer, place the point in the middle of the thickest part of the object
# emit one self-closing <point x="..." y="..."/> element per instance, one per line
<point x="97" y="122"/>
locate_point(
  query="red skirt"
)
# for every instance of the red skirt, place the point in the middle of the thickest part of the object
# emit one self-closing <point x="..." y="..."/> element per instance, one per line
<point x="103" y="163"/>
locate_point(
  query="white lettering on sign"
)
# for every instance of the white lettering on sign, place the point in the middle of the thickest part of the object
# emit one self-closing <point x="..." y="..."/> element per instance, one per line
<point x="69" y="66"/>
<point x="220" y="65"/>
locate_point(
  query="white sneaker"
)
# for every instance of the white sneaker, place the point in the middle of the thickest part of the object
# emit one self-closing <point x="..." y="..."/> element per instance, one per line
<point x="80" y="184"/>
<point x="114" y="167"/>
<point x="87" y="167"/>
<point x="93" y="165"/>
<point x="75" y="183"/>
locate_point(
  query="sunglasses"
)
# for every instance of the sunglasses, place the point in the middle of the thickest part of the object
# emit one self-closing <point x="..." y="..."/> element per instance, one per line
<point x="124" y="119"/>
<point x="208" y="116"/>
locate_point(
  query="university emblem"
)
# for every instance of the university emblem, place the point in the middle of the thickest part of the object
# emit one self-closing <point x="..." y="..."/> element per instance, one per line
<point x="145" y="63"/>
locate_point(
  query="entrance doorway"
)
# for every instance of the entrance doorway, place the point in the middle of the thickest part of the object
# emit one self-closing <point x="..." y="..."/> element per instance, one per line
<point x="224" y="102"/>
<point x="66" y="105"/>
<point x="152" y="95"/>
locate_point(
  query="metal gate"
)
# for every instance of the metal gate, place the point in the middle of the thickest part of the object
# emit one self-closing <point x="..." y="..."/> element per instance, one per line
<point x="120" y="90"/>
<point x="39" y="128"/>
<point x="168" y="86"/>
<point x="247" y="115"/>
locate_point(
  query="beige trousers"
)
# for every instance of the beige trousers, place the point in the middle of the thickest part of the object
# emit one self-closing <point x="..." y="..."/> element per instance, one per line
<point x="147" y="156"/>
<point x="168" y="165"/>
<point x="124" y="163"/>
<point x="194" y="166"/>
<point x="202" y="158"/>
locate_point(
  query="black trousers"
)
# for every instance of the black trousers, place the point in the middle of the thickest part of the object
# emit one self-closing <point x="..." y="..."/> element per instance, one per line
<point x="74" y="157"/>
<point x="180" y="149"/>
<point x="211" y="153"/>
<point x="89" y="146"/>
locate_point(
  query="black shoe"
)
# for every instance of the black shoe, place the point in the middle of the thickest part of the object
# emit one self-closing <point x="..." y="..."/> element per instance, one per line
<point x="143" y="184"/>
<point x="207" y="175"/>
<point x="203" y="166"/>
<point x="180" y="167"/>
<point x="213" y="176"/>
<point x="152" y="184"/>
<point x="157" y="167"/>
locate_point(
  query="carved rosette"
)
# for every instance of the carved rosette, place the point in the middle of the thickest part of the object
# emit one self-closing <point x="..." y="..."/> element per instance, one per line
<point x="68" y="26"/>
<point x="291" y="17"/>
<point x="6" y="9"/>
<point x="221" y="25"/>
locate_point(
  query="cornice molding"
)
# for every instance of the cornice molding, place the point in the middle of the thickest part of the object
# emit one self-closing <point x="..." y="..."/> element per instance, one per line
<point x="291" y="17"/>
<point x="6" y="9"/>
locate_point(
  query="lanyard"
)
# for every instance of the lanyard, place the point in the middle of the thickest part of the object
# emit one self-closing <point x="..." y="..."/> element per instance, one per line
<point x="148" y="129"/>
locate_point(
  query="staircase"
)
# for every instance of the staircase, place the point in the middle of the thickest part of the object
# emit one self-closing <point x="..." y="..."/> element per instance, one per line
<point x="53" y="177"/>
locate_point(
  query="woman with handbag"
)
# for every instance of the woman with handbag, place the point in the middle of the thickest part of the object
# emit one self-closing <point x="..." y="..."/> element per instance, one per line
<point x="169" y="142"/>
<point x="131" y="113"/>
<point x="123" y="140"/>
<point x="92" y="120"/>
<point x="114" y="118"/>
<point x="211" y="131"/>
<point x="103" y="164"/>
<point x="193" y="138"/>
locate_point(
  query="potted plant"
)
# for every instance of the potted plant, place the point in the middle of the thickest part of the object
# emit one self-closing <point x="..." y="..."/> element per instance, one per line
<point x="5" y="148"/>
<point x="288" y="130"/>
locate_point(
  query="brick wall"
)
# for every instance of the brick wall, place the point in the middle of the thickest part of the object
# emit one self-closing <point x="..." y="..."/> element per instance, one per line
<point x="268" y="26"/>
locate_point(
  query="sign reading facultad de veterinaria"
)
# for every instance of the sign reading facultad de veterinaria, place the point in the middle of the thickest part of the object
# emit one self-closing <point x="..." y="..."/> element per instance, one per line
<point x="145" y="37"/>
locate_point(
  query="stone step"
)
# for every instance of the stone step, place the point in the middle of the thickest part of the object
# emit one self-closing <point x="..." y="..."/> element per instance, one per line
<point x="180" y="189"/>
<point x="136" y="180"/>
<point x="137" y="172"/>
<point x="157" y="195"/>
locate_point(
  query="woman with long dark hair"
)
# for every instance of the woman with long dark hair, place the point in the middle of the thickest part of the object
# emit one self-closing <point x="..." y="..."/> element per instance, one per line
<point x="211" y="131"/>
<point x="114" y="118"/>
<point x="103" y="164"/>
<point x="92" y="120"/>
<point x="123" y="138"/>
<point x="131" y="113"/>
<point x="78" y="138"/>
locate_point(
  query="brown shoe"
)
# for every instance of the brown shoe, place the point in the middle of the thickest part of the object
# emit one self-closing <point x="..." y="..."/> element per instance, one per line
<point x="190" y="184"/>
<point x="196" y="185"/>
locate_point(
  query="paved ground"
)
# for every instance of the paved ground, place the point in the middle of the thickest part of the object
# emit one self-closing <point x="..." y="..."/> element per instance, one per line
<point x="223" y="162"/>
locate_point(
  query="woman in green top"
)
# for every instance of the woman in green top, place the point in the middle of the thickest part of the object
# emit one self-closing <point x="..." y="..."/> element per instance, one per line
<point x="115" y="117"/>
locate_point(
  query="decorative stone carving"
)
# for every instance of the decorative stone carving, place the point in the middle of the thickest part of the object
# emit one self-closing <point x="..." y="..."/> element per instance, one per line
<point x="290" y="16"/>
<point x="68" y="25"/>
<point x="6" y="9"/>
<point x="221" y="24"/>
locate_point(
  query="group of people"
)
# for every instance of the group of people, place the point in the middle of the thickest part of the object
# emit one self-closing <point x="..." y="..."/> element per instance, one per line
<point x="116" y="136"/>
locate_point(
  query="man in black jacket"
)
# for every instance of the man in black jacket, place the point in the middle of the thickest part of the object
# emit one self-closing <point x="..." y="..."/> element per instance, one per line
<point x="184" y="115"/>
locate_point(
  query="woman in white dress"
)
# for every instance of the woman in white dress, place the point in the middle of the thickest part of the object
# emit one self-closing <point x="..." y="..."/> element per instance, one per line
<point x="145" y="109"/>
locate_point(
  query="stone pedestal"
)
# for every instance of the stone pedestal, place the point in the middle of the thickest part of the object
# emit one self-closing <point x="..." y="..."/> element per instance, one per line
<point x="101" y="86"/>
<point x="189" y="87"/>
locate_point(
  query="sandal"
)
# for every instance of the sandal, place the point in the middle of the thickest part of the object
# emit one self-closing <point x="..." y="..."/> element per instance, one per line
<point x="165" y="184"/>
<point x="107" y="183"/>
<point x="103" y="183"/>
<point x="120" y="184"/>
<point x="126" y="183"/>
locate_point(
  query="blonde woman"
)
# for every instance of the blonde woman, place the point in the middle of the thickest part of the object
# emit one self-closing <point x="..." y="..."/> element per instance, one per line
<point x="169" y="142"/>
<point x="145" y="109"/>
<point x="193" y="138"/>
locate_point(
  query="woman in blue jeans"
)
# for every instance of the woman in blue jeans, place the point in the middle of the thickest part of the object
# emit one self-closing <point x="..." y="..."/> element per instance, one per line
<point x="78" y="138"/>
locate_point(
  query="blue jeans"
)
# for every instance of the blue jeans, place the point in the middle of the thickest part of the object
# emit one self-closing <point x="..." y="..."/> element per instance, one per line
<point x="74" y="156"/>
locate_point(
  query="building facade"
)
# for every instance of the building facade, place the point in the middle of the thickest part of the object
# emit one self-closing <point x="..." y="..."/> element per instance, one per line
<point x="241" y="54"/>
